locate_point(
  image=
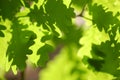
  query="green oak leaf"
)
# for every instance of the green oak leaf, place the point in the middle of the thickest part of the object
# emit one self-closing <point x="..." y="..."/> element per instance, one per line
<point x="18" y="48"/>
<point x="8" y="8"/>
<point x="2" y="28"/>
<point x="100" y="15"/>
<point x="106" y="58"/>
<point x="44" y="52"/>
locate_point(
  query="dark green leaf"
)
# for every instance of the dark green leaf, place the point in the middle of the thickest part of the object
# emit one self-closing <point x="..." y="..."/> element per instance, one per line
<point x="44" y="52"/>
<point x="100" y="14"/>
<point x="2" y="28"/>
<point x="110" y="61"/>
<point x="2" y="34"/>
<point x="8" y="8"/>
<point x="18" y="48"/>
<point x="46" y="37"/>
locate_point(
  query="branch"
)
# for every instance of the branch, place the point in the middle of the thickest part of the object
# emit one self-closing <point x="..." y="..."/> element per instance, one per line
<point x="82" y="12"/>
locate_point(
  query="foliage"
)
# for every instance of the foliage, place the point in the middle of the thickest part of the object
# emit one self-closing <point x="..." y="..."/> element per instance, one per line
<point x="38" y="27"/>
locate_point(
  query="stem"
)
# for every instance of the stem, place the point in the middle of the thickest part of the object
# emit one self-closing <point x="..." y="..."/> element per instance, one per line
<point x="84" y="17"/>
<point x="22" y="75"/>
<point x="87" y="18"/>
<point x="82" y="13"/>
